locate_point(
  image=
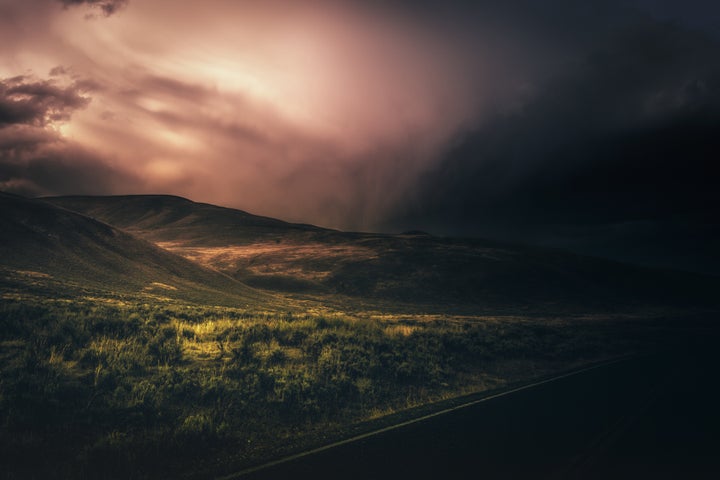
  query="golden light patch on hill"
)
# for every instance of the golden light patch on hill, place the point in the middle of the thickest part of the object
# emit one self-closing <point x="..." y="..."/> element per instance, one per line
<point x="33" y="274"/>
<point x="309" y="261"/>
<point x="159" y="285"/>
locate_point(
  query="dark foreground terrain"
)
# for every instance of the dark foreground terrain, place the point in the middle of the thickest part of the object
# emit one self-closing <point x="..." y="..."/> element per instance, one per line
<point x="653" y="416"/>
<point x="155" y="337"/>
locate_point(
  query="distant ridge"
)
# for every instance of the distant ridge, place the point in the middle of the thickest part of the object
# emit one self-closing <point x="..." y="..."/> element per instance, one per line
<point x="72" y="251"/>
<point x="427" y="272"/>
<point x="168" y="217"/>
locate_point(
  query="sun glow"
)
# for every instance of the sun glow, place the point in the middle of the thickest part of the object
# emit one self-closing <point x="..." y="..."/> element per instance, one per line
<point x="178" y="140"/>
<point x="164" y="170"/>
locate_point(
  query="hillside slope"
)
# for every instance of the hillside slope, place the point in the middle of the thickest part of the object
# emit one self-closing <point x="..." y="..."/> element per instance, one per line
<point x="416" y="269"/>
<point x="168" y="218"/>
<point x="51" y="248"/>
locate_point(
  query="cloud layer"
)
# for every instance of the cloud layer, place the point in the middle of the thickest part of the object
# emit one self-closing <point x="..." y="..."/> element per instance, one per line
<point x="108" y="7"/>
<point x="35" y="158"/>
<point x="27" y="101"/>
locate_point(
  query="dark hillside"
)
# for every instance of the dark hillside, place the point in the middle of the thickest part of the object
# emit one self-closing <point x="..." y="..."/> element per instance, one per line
<point x="66" y="250"/>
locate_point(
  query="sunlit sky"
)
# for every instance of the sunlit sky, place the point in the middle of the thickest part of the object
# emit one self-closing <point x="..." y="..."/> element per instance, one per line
<point x="284" y="108"/>
<point x="342" y="113"/>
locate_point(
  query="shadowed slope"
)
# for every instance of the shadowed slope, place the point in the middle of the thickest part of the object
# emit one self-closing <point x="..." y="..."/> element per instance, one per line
<point x="53" y="248"/>
<point x="412" y="268"/>
<point x="168" y="218"/>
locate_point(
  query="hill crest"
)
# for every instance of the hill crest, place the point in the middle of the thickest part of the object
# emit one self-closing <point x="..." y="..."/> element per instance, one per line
<point x="80" y="252"/>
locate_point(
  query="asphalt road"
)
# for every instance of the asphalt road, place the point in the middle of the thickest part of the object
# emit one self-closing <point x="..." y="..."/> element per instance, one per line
<point x="653" y="417"/>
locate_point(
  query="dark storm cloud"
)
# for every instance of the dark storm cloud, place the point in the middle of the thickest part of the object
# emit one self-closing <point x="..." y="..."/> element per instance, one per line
<point x="24" y="100"/>
<point x="108" y="7"/>
<point x="34" y="158"/>
<point x="619" y="143"/>
<point x="51" y="166"/>
<point x="642" y="106"/>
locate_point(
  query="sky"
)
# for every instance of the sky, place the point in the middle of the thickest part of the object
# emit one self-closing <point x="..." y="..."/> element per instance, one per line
<point x="588" y="125"/>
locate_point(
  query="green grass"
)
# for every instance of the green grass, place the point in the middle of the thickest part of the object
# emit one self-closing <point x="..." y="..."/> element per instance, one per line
<point x="119" y="388"/>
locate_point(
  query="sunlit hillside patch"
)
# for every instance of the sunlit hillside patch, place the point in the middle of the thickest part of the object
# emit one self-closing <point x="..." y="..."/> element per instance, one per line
<point x="308" y="261"/>
<point x="160" y="286"/>
<point x="32" y="274"/>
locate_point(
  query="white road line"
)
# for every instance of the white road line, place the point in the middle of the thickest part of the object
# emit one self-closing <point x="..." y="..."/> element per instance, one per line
<point x="416" y="420"/>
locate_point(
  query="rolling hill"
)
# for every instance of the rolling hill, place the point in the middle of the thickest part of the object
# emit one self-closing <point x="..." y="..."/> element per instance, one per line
<point x="416" y="269"/>
<point x="162" y="218"/>
<point x="50" y="249"/>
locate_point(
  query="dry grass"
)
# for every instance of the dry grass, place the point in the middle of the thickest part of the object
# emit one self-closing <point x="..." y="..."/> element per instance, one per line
<point x="307" y="261"/>
<point x="399" y="330"/>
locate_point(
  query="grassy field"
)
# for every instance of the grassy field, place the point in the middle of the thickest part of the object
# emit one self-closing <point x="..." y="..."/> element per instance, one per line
<point x="104" y="387"/>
